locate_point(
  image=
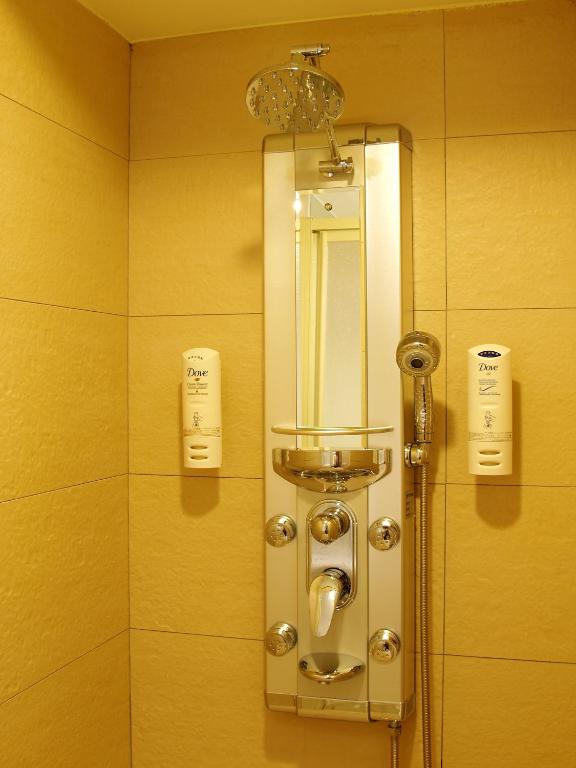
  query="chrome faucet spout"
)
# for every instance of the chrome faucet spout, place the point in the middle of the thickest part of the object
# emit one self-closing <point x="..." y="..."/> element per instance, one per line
<point x="326" y="593"/>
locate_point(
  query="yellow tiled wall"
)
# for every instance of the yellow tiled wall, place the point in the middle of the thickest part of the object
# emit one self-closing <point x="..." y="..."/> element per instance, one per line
<point x="488" y="95"/>
<point x="64" y="681"/>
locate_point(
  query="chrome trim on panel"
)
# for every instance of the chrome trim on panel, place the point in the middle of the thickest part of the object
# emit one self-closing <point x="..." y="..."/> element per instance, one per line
<point x="346" y="135"/>
<point x="280" y="702"/>
<point x="391" y="710"/>
<point x="335" y="709"/>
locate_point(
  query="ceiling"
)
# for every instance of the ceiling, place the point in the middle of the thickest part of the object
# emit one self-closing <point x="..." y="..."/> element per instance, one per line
<point x="149" y="19"/>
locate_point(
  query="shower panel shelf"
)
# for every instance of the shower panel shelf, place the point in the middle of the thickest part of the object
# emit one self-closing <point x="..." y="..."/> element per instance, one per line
<point x="287" y="429"/>
<point x="331" y="470"/>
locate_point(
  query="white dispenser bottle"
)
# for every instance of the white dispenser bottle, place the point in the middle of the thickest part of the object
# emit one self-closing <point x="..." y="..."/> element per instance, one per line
<point x="201" y="408"/>
<point x="489" y="410"/>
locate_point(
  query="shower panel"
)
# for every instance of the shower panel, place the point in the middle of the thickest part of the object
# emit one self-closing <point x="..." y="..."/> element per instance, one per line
<point x="339" y="524"/>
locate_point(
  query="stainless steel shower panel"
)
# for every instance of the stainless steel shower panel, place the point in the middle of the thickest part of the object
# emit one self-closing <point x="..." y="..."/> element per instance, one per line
<point x="335" y="675"/>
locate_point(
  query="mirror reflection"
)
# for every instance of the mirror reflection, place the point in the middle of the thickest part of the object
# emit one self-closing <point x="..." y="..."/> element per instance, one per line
<point x="331" y="312"/>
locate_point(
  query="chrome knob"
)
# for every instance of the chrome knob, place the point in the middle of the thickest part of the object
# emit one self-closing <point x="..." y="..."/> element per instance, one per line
<point x="280" y="530"/>
<point x="329" y="523"/>
<point x="384" y="533"/>
<point x="384" y="646"/>
<point x="326" y="594"/>
<point x="280" y="639"/>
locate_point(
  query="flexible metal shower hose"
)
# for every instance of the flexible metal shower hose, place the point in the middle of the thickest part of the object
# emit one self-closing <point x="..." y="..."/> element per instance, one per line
<point x="424" y="628"/>
<point x="395" y="731"/>
<point x="424" y="639"/>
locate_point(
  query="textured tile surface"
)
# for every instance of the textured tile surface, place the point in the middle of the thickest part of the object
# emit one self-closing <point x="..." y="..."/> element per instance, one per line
<point x="196" y="235"/>
<point x="63" y="215"/>
<point x="183" y="688"/>
<point x="492" y="709"/>
<point x="503" y="571"/>
<point x="156" y="346"/>
<point x="186" y="575"/>
<point x="511" y="240"/>
<point x="63" y="578"/>
<point x="62" y="397"/>
<point x="429" y="230"/>
<point x="511" y="68"/>
<point x="510" y="203"/>
<point x="182" y="107"/>
<point x="79" y="717"/>
<point x="60" y="60"/>
<point x="543" y="403"/>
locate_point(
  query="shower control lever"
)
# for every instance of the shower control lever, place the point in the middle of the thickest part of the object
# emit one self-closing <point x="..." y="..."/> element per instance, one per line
<point x="327" y="592"/>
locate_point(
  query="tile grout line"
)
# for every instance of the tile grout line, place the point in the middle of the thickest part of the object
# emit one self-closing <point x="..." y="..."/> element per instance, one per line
<point x="201" y="314"/>
<point x="63" y="666"/>
<point x="194" y="477"/>
<point x="510" y="309"/>
<point x="445" y="137"/>
<point x="508" y="658"/>
<point x="61" y="125"/>
<point x="485" y="309"/>
<point x="197" y="634"/>
<point x="197" y="155"/>
<point x="417" y="653"/>
<point x="64" y="306"/>
<point x="63" y="488"/>
<point x="260" y="314"/>
<point x="128" y="259"/>
<point x="446" y="380"/>
<point x="507" y="485"/>
<point x="551" y="131"/>
<point x="261" y="478"/>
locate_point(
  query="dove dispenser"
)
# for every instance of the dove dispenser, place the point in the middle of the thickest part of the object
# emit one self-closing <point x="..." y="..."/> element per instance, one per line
<point x="201" y="409"/>
<point x="489" y="410"/>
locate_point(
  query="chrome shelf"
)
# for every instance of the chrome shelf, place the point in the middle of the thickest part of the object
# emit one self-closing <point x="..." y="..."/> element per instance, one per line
<point x="328" y="470"/>
<point x="288" y="429"/>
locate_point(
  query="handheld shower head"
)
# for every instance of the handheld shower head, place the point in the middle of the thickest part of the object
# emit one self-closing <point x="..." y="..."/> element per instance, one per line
<point x="418" y="355"/>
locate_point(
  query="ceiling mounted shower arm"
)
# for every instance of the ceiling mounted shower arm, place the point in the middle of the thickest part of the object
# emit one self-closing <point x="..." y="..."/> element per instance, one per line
<point x="337" y="165"/>
<point x="311" y="53"/>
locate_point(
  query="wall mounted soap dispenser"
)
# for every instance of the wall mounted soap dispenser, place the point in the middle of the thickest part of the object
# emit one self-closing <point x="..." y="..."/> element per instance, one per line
<point x="201" y="408"/>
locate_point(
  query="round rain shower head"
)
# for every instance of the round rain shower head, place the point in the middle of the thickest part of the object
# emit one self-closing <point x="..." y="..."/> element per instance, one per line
<point x="294" y="97"/>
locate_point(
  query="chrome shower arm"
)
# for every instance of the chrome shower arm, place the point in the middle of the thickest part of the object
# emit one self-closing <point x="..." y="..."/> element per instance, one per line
<point x="336" y="166"/>
<point x="310" y="51"/>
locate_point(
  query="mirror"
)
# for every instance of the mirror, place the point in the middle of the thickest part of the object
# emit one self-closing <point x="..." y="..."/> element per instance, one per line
<point x="331" y="312"/>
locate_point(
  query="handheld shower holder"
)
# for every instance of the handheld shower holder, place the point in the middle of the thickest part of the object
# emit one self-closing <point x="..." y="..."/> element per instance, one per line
<point x="416" y="455"/>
